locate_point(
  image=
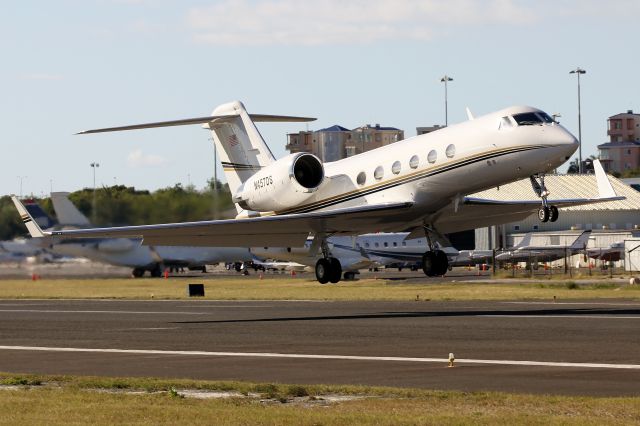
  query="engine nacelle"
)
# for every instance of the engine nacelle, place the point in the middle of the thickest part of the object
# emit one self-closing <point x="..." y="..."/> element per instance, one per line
<point x="286" y="183"/>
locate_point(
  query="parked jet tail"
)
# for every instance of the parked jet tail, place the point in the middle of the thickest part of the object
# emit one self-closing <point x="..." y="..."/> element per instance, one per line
<point x="39" y="215"/>
<point x="68" y="214"/>
<point x="581" y="242"/>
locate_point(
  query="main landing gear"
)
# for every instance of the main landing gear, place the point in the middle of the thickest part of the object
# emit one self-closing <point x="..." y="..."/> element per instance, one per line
<point x="546" y="213"/>
<point x="434" y="262"/>
<point x="328" y="269"/>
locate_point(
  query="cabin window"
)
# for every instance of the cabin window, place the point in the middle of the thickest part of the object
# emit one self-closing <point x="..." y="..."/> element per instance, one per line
<point x="378" y="173"/>
<point x="377" y="245"/>
<point x="516" y="227"/>
<point x="413" y="162"/>
<point x="451" y="151"/>
<point x="396" y="244"/>
<point x="432" y="157"/>
<point x="404" y="243"/>
<point x="386" y="244"/>
<point x="362" y="178"/>
<point x="395" y="168"/>
<point x="366" y="245"/>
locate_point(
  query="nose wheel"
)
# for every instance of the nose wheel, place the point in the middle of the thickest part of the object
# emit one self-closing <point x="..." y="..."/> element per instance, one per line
<point x="546" y="213"/>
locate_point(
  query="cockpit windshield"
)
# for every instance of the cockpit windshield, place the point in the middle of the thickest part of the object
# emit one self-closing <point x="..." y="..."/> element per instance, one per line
<point x="532" y="118"/>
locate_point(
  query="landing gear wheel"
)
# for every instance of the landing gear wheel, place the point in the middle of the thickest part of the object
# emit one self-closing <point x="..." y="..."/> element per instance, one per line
<point x="156" y="272"/>
<point x="553" y="213"/>
<point x="429" y="263"/>
<point x="349" y="276"/>
<point x="543" y="214"/>
<point x="137" y="272"/>
<point x="323" y="270"/>
<point x="336" y="270"/>
<point x="442" y="263"/>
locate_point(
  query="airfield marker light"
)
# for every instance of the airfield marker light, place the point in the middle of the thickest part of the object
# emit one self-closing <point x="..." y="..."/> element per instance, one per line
<point x="452" y="358"/>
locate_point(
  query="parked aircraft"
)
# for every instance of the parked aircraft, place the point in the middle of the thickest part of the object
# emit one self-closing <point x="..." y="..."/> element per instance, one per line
<point x="128" y="251"/>
<point x="613" y="253"/>
<point x="419" y="185"/>
<point x="547" y="253"/>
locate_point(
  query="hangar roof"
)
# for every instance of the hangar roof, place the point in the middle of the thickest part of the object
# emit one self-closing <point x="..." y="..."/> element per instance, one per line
<point x="568" y="186"/>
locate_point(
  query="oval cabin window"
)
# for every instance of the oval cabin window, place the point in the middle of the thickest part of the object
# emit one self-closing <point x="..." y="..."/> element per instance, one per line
<point x="432" y="157"/>
<point x="395" y="168"/>
<point x="414" y="161"/>
<point x="378" y="173"/>
<point x="362" y="178"/>
<point x="451" y="151"/>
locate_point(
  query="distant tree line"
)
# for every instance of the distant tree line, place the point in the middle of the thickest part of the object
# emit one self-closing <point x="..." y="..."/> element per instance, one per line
<point x="122" y="205"/>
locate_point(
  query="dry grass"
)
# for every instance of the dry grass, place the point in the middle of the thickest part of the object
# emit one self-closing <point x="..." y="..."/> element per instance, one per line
<point x="288" y="288"/>
<point x="66" y="400"/>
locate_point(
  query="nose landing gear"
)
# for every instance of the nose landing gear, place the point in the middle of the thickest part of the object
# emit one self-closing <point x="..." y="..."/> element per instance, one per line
<point x="546" y="213"/>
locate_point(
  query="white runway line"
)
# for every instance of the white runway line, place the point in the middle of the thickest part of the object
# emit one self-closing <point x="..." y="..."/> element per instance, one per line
<point x="325" y="357"/>
<point x="575" y="303"/>
<point x="561" y="316"/>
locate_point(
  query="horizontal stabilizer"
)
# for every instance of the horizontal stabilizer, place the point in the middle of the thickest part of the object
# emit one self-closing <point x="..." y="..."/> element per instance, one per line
<point x="199" y="120"/>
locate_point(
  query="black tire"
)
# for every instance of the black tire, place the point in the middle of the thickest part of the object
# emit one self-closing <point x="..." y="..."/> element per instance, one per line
<point x="323" y="270"/>
<point x="336" y="270"/>
<point x="442" y="262"/>
<point x="543" y="214"/>
<point x="137" y="272"/>
<point x="429" y="263"/>
<point x="156" y="272"/>
<point x="349" y="276"/>
<point x="553" y="213"/>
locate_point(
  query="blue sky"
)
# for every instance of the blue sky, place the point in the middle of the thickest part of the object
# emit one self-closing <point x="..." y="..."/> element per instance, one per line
<point x="72" y="65"/>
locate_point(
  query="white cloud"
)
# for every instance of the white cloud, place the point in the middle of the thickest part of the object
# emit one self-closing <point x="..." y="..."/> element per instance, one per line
<point x="330" y="22"/>
<point x="137" y="158"/>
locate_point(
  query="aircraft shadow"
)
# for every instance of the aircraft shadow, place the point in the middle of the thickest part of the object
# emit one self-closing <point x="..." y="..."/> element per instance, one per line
<point x="443" y="314"/>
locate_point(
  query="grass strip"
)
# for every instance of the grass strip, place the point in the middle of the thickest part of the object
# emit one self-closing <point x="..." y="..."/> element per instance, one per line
<point x="288" y="288"/>
<point x="76" y="400"/>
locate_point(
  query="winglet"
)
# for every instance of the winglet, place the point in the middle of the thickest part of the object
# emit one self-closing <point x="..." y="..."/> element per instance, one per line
<point x="605" y="190"/>
<point x="469" y="114"/>
<point x="32" y="225"/>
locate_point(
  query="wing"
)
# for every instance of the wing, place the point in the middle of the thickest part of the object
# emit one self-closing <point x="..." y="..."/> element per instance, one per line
<point x="271" y="231"/>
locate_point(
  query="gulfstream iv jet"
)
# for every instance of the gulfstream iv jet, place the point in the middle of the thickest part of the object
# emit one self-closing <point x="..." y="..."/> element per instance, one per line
<point x="420" y="185"/>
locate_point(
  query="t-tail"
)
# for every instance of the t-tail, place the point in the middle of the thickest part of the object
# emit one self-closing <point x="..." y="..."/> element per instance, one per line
<point x="242" y="150"/>
<point x="39" y="215"/>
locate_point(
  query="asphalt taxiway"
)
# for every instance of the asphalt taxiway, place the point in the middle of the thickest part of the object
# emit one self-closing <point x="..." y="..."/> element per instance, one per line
<point x="577" y="347"/>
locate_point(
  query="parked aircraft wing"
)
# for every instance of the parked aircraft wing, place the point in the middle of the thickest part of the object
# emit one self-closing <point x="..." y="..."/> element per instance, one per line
<point x="283" y="230"/>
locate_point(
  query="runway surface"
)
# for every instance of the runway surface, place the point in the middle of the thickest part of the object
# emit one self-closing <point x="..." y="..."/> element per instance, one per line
<point x="589" y="347"/>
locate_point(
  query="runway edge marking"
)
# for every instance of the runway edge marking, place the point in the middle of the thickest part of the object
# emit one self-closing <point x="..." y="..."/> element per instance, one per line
<point x="324" y="357"/>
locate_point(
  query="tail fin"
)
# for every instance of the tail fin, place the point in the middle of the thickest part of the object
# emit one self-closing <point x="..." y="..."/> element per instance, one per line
<point x="32" y="226"/>
<point x="68" y="214"/>
<point x="526" y="241"/>
<point x="39" y="215"/>
<point x="240" y="146"/>
<point x="581" y="242"/>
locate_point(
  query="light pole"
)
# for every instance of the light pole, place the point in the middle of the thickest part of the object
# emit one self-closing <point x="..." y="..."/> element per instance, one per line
<point x="21" y="178"/>
<point x="579" y="71"/>
<point x="444" y="80"/>
<point x="94" y="166"/>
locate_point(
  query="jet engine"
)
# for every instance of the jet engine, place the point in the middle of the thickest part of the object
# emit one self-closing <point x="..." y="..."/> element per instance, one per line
<point x="285" y="183"/>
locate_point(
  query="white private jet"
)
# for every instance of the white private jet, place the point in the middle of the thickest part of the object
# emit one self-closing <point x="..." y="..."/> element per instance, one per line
<point x="525" y="252"/>
<point x="418" y="185"/>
